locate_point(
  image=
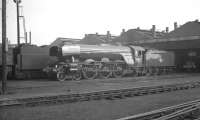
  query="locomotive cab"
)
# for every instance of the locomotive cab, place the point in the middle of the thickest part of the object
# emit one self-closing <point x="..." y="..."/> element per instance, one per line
<point x="138" y="54"/>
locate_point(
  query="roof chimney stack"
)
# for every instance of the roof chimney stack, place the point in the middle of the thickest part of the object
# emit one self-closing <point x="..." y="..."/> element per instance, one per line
<point x="123" y="31"/>
<point x="167" y="30"/>
<point x="175" y="25"/>
<point x="108" y="34"/>
<point x="154" y="30"/>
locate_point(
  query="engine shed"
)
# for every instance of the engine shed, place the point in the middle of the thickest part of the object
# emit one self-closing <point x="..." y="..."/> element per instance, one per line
<point x="183" y="41"/>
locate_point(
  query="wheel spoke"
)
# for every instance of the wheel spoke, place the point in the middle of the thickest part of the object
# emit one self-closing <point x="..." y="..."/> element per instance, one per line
<point x="118" y="73"/>
<point x="76" y="75"/>
<point x="90" y="73"/>
<point x="105" y="72"/>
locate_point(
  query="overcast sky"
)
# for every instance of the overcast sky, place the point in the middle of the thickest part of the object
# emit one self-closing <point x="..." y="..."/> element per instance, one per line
<point x="49" y="19"/>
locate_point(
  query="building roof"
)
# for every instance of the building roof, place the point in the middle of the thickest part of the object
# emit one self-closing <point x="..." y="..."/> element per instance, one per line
<point x="186" y="36"/>
<point x="94" y="39"/>
<point x="191" y="28"/>
<point x="133" y="35"/>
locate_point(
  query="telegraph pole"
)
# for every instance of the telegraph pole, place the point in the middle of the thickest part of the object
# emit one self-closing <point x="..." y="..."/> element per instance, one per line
<point x="18" y="27"/>
<point x="4" y="51"/>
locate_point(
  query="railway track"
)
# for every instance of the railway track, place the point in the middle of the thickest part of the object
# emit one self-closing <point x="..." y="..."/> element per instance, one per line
<point x="186" y="111"/>
<point x="110" y="80"/>
<point x="109" y="95"/>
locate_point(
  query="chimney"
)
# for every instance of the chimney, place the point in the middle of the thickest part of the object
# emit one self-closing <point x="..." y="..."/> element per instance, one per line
<point x="108" y="35"/>
<point x="123" y="31"/>
<point x="138" y="28"/>
<point x="154" y="30"/>
<point x="97" y="33"/>
<point x="175" y="25"/>
<point x="167" y="30"/>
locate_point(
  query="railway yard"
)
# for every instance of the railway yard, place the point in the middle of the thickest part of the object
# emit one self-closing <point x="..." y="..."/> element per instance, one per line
<point x="96" y="99"/>
<point x="140" y="74"/>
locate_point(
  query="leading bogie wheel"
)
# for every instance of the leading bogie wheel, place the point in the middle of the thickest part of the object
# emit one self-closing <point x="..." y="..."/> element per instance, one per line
<point x="61" y="76"/>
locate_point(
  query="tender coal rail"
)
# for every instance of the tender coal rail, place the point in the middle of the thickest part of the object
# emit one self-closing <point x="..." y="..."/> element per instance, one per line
<point x="186" y="111"/>
<point x="109" y="95"/>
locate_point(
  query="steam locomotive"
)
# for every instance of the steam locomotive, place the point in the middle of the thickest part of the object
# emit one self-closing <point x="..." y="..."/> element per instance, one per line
<point x="80" y="61"/>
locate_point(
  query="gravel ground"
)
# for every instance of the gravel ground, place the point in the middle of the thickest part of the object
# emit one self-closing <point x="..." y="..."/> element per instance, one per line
<point x="21" y="89"/>
<point x="100" y="110"/>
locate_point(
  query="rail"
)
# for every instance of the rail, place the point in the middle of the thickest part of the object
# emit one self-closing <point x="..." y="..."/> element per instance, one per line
<point x="189" y="110"/>
<point x="109" y="95"/>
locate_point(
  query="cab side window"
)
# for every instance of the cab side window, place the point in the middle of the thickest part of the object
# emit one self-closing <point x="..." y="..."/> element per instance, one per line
<point x="138" y="53"/>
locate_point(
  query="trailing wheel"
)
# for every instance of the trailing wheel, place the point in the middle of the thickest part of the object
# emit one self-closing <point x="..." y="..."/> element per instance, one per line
<point x="157" y="71"/>
<point x="138" y="72"/>
<point x="149" y="71"/>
